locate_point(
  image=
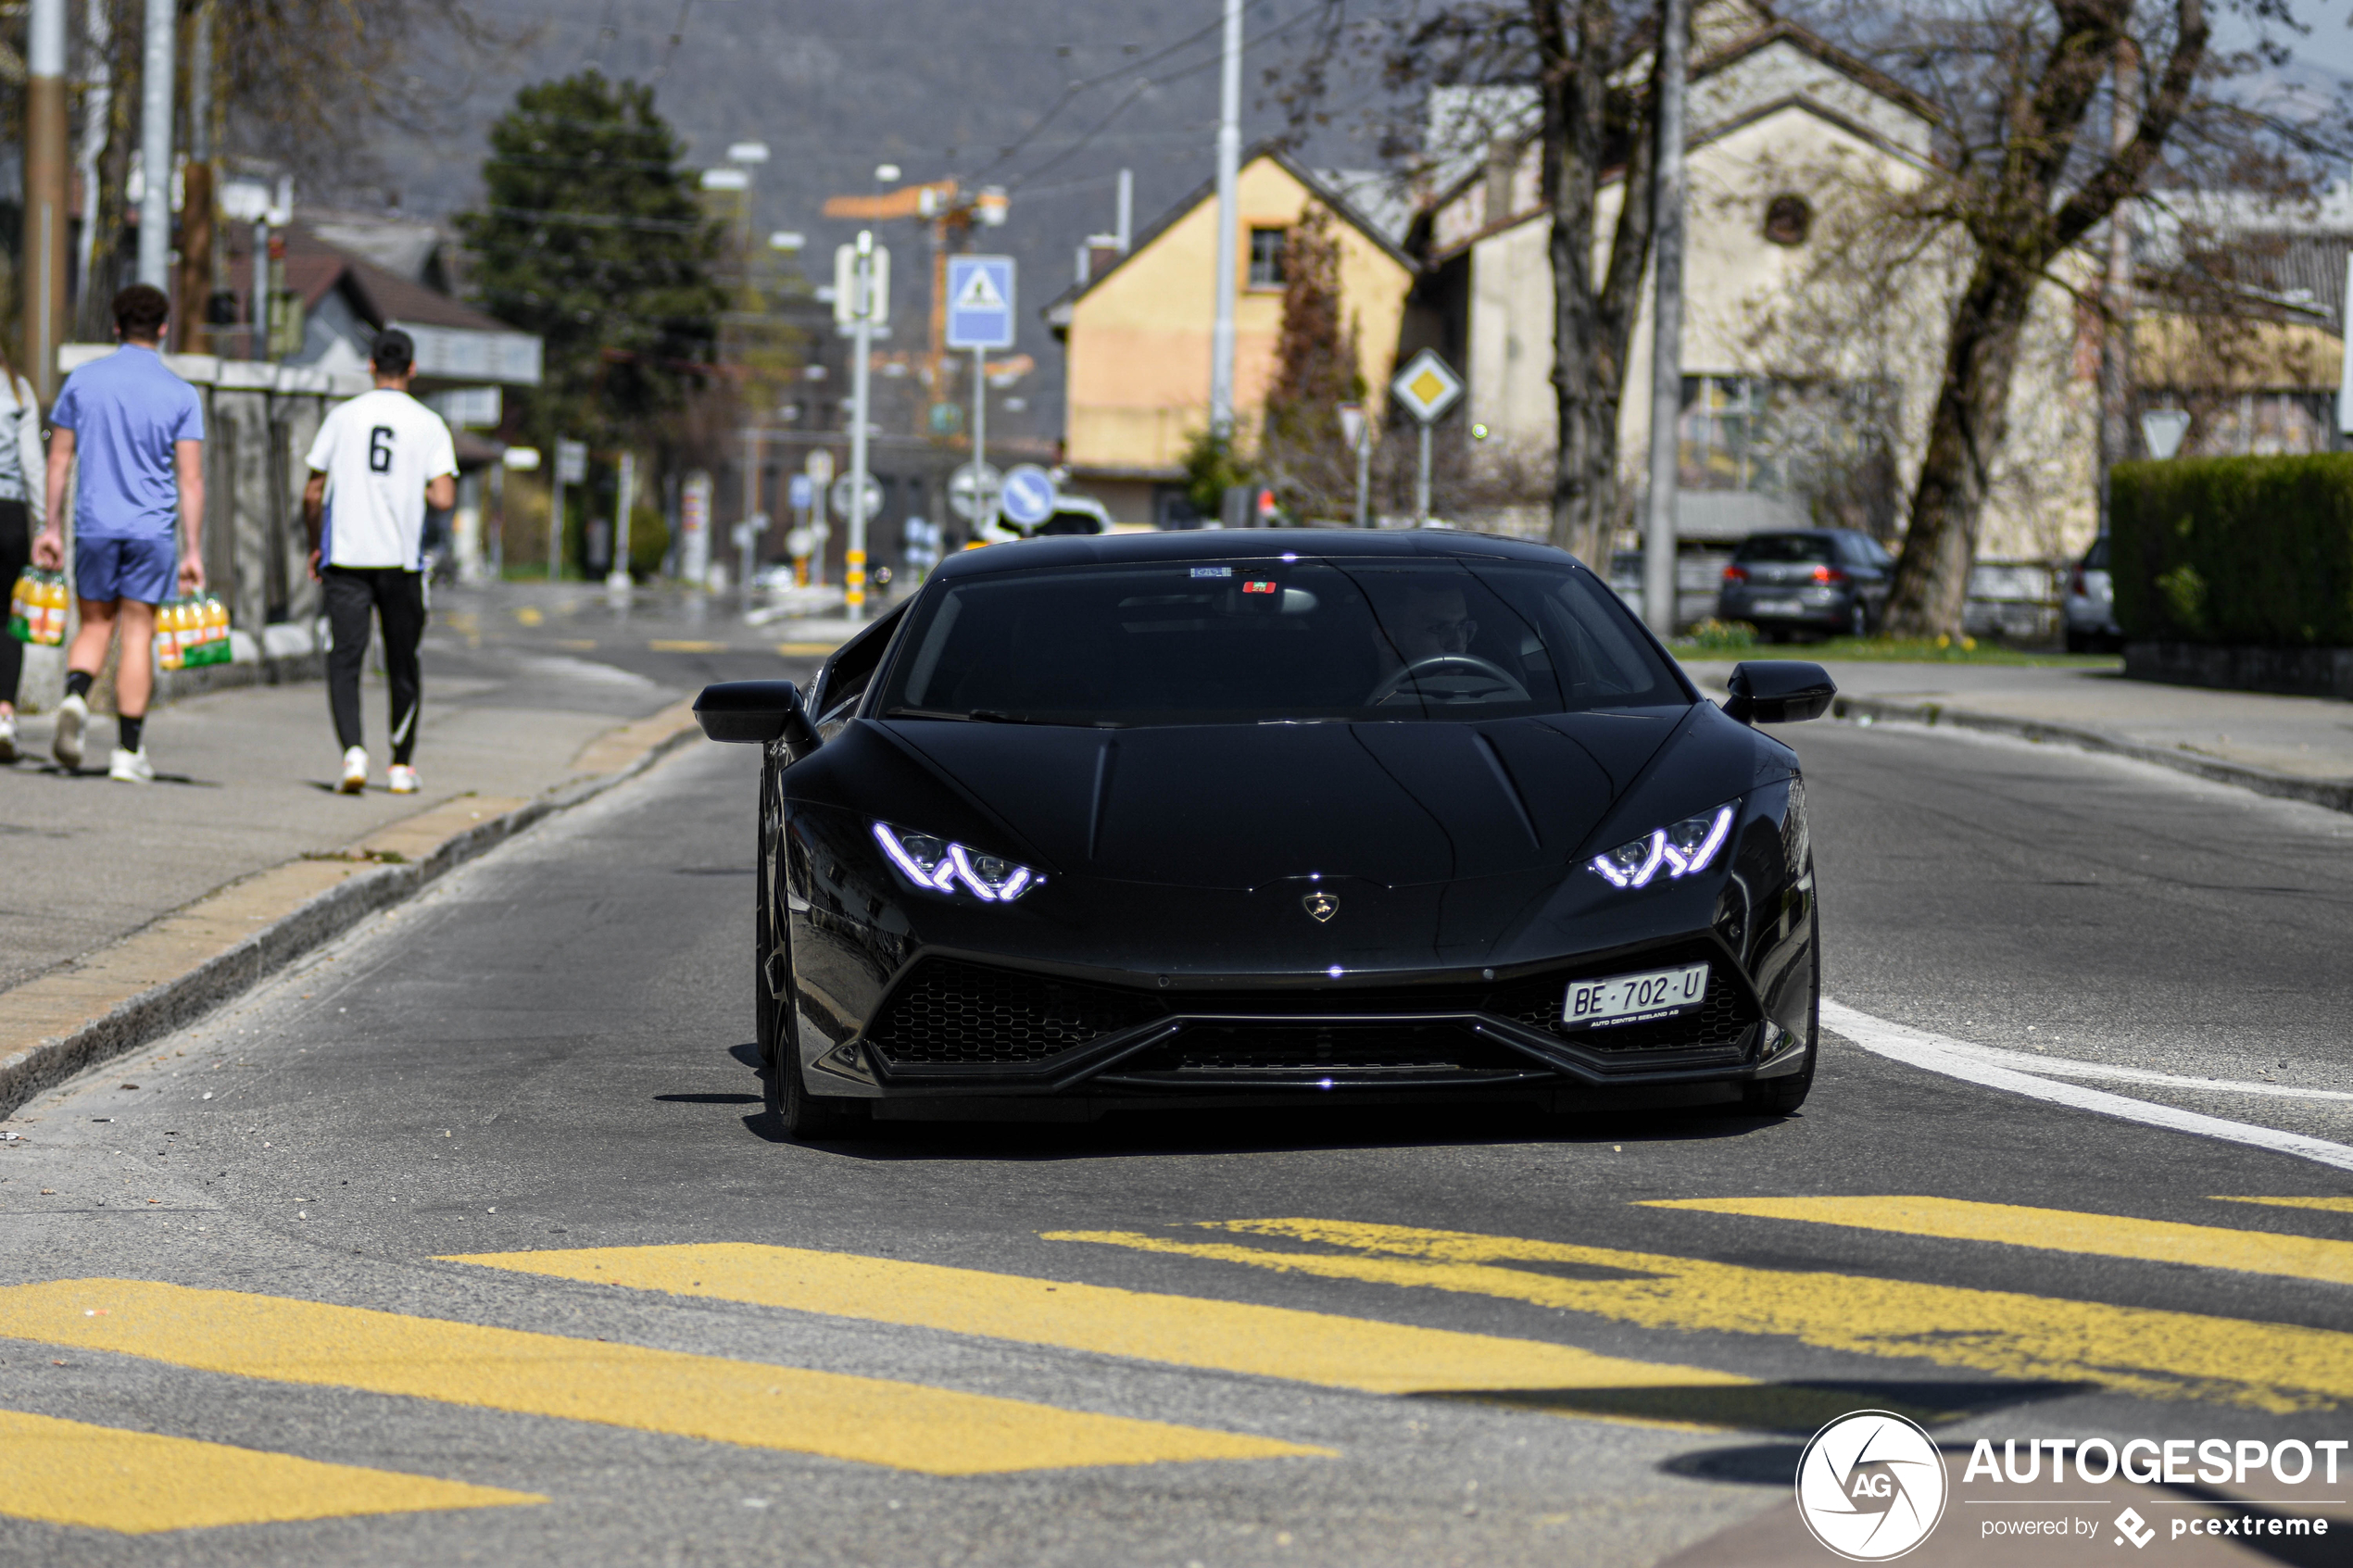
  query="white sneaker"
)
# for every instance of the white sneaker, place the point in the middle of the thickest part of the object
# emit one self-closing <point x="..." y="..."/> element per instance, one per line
<point x="401" y="779"/>
<point x="7" y="737"/>
<point x="130" y="767"/>
<point x="66" y="747"/>
<point x="354" y="769"/>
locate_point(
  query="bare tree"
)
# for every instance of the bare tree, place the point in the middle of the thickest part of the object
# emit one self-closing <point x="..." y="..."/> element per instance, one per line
<point x="1586" y="66"/>
<point x="2021" y="84"/>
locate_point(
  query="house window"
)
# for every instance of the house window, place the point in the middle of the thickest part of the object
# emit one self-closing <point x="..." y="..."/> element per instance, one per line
<point x="1721" y="442"/>
<point x="1267" y="259"/>
<point x="1788" y="219"/>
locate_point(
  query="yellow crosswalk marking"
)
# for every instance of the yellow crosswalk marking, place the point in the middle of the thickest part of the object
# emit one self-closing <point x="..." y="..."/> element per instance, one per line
<point x="2333" y="1205"/>
<point x="2058" y="1230"/>
<point x="871" y="1420"/>
<point x="71" y="1473"/>
<point x="684" y="645"/>
<point x="1302" y="1347"/>
<point x="805" y="650"/>
<point x="2274" y="1367"/>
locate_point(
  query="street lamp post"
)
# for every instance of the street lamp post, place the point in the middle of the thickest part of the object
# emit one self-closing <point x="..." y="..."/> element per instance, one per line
<point x="862" y="330"/>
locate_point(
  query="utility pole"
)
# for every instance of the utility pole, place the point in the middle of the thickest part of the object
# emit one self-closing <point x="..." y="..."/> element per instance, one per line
<point x="1230" y="166"/>
<point x="1666" y="325"/>
<point x="556" y="518"/>
<point x="1125" y="227"/>
<point x="982" y="512"/>
<point x="854" y="558"/>
<point x="197" y="219"/>
<point x="196" y="207"/>
<point x="46" y="193"/>
<point x="155" y="142"/>
<point x="746" y="530"/>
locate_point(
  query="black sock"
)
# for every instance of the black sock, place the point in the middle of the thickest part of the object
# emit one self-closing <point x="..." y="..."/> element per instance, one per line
<point x="127" y="730"/>
<point x="78" y="683"/>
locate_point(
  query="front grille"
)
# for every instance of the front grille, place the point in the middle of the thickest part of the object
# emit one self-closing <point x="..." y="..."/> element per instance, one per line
<point x="1310" y="1048"/>
<point x="947" y="1013"/>
<point x="950" y="1013"/>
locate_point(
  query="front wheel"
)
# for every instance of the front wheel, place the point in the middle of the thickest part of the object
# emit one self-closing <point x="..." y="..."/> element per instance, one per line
<point x="1780" y="1097"/>
<point x="803" y="1116"/>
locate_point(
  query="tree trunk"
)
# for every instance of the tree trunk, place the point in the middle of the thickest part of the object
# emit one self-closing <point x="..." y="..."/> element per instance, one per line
<point x="1965" y="435"/>
<point x="1592" y="325"/>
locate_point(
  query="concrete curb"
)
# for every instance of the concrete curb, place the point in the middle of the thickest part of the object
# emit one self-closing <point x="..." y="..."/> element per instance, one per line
<point x="364" y="881"/>
<point x="2335" y="794"/>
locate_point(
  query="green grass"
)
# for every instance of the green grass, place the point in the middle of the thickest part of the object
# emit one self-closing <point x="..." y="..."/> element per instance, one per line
<point x="1713" y="642"/>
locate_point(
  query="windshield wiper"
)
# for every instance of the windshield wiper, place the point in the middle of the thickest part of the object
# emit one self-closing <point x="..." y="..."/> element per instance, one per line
<point x="999" y="716"/>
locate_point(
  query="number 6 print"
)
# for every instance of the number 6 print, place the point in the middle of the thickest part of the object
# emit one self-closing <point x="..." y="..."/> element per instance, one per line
<point x="380" y="449"/>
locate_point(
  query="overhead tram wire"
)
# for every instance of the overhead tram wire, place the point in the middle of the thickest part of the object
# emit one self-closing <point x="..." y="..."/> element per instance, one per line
<point x="1142" y="86"/>
<point x="677" y="36"/>
<point x="1007" y="153"/>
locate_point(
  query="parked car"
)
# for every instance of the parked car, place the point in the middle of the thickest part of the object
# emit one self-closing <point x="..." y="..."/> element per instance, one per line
<point x="2090" y="604"/>
<point x="1818" y="582"/>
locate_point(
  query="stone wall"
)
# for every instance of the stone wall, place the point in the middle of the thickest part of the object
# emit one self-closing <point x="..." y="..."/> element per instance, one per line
<point x="259" y="419"/>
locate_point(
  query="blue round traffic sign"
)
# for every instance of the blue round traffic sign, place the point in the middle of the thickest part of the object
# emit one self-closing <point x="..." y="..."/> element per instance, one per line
<point x="1028" y="496"/>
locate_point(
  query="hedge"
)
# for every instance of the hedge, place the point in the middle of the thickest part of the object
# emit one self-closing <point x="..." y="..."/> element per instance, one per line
<point x="2253" y="551"/>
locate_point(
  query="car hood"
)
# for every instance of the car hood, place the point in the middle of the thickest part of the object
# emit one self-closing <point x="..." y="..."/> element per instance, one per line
<point x="1240" y="806"/>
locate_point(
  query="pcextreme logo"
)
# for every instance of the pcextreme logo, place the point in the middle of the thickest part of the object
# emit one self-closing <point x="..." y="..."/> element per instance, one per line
<point x="2171" y="1464"/>
<point x="1871" y="1485"/>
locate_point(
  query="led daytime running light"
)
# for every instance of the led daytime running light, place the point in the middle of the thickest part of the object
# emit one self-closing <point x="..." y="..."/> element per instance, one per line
<point x="1683" y="849"/>
<point x="938" y="866"/>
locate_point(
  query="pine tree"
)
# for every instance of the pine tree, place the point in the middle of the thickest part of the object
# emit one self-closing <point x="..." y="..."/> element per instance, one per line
<point x="590" y="234"/>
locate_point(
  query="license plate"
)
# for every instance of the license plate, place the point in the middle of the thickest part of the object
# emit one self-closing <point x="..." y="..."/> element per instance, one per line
<point x="1634" y="998"/>
<point x="1777" y="607"/>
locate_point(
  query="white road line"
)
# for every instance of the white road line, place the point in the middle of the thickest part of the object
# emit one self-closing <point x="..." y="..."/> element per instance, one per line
<point x="1959" y="1059"/>
<point x="2070" y="1067"/>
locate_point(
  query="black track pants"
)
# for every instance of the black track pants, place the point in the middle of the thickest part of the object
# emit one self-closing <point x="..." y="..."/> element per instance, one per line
<point x="398" y="598"/>
<point x="15" y="554"/>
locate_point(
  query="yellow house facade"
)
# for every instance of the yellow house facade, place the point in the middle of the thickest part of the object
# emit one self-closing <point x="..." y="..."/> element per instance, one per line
<point x="1136" y="335"/>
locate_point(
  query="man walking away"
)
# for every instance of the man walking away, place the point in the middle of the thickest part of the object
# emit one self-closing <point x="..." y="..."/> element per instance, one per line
<point x="139" y="431"/>
<point x="379" y="461"/>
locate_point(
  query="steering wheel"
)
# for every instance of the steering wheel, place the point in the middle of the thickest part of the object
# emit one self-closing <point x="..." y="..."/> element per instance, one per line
<point x="1463" y="664"/>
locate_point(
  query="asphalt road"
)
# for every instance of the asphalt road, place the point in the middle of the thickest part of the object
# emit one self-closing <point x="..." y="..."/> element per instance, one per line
<point x="1353" y="1338"/>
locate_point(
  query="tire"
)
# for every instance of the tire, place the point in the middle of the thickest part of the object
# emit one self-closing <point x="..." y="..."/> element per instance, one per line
<point x="2078" y="641"/>
<point x="800" y="1114"/>
<point x="1780" y="1097"/>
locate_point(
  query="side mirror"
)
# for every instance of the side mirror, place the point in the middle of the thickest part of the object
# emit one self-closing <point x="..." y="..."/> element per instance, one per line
<point x="757" y="713"/>
<point x="1778" y="691"/>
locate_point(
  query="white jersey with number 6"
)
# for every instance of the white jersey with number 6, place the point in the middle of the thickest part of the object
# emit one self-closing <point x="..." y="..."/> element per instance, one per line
<point x="378" y="452"/>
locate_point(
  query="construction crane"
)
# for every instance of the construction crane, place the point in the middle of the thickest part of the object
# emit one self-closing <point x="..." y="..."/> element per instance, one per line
<point x="952" y="214"/>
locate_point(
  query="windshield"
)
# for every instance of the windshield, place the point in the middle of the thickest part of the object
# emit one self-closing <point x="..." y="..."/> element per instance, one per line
<point x="1785" y="550"/>
<point x="1293" y="641"/>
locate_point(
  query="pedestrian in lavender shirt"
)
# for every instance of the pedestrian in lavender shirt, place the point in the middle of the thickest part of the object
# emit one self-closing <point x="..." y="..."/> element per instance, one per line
<point x="139" y="431"/>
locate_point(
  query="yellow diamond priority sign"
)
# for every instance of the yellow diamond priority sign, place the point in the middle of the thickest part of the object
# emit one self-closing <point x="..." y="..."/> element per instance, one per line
<point x="1427" y="386"/>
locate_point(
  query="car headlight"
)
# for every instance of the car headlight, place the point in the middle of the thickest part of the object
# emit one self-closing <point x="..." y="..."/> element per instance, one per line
<point x="941" y="865"/>
<point x="1679" y="851"/>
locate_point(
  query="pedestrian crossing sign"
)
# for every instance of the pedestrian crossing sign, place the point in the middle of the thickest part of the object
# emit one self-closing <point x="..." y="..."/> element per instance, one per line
<point x="980" y="302"/>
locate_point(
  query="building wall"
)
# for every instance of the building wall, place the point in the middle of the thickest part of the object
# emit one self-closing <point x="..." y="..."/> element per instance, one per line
<point x="1820" y="311"/>
<point x="1138" y="341"/>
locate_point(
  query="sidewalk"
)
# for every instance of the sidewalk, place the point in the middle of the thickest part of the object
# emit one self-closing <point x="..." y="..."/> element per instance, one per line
<point x="124" y="907"/>
<point x="2294" y="747"/>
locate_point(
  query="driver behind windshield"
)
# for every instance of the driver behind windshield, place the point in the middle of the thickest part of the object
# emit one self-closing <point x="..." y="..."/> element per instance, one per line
<point x="1435" y="621"/>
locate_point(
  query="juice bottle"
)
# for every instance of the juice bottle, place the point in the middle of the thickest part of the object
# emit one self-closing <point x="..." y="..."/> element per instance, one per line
<point x="56" y="598"/>
<point x="214" y="617"/>
<point x="167" y="635"/>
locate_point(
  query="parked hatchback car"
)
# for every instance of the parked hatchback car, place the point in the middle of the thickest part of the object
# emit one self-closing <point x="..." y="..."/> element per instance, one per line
<point x="1816" y="581"/>
<point x="2089" y="604"/>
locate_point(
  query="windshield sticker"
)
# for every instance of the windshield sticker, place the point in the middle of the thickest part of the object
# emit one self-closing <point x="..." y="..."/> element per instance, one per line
<point x="1212" y="572"/>
<point x="1258" y="587"/>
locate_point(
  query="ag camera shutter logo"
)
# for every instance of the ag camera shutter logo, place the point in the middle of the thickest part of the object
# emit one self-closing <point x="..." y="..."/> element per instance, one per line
<point x="1871" y="1485"/>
